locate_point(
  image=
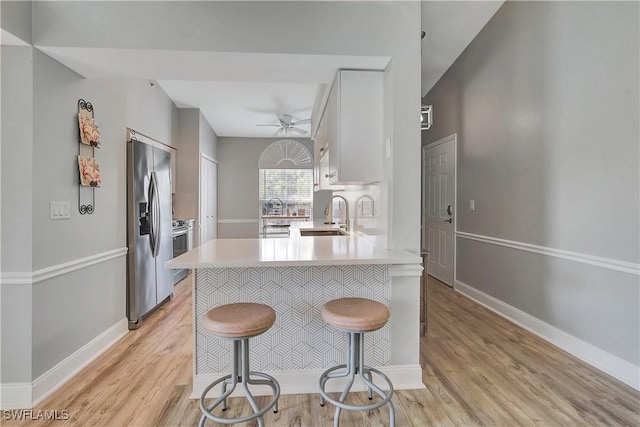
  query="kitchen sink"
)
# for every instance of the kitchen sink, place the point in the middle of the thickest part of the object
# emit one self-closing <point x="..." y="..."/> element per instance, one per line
<point x="322" y="232"/>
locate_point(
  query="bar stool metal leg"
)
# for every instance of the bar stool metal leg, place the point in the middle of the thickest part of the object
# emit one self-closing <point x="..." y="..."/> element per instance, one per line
<point x="365" y="371"/>
<point x="240" y="360"/>
<point x="355" y="366"/>
<point x="234" y="371"/>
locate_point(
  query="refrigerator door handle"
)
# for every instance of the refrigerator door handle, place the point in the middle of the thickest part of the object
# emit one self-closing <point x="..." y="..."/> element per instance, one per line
<point x="152" y="215"/>
<point x="157" y="226"/>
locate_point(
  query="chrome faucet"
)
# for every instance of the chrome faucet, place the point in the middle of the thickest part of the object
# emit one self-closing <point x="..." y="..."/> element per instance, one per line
<point x="328" y="211"/>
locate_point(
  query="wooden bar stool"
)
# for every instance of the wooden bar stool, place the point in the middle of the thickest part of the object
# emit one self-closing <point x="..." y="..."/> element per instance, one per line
<point x="239" y="322"/>
<point x="356" y="316"/>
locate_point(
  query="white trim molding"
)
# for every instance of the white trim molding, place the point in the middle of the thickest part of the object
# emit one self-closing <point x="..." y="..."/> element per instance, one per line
<point x="29" y="278"/>
<point x="405" y="270"/>
<point x="403" y="377"/>
<point x="28" y="395"/>
<point x="16" y="278"/>
<point x="57" y="376"/>
<point x="618" y="368"/>
<point x="608" y="263"/>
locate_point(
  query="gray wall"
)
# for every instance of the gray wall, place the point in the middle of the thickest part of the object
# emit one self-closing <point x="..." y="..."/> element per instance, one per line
<point x="47" y="321"/>
<point x="63" y="305"/>
<point x="151" y="111"/>
<point x="208" y="138"/>
<point x="55" y="147"/>
<point x="185" y="199"/>
<point x="16" y="212"/>
<point x="238" y="183"/>
<point x="15" y="17"/>
<point x="545" y="105"/>
<point x="194" y="136"/>
<point x="17" y="155"/>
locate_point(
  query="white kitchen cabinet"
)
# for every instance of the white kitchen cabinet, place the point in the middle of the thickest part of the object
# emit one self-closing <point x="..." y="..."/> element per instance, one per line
<point x="319" y="149"/>
<point x="354" y="127"/>
<point x="321" y="159"/>
<point x="324" y="174"/>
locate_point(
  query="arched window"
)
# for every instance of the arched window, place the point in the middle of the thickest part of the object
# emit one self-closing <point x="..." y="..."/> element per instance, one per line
<point x="286" y="154"/>
<point x="286" y="180"/>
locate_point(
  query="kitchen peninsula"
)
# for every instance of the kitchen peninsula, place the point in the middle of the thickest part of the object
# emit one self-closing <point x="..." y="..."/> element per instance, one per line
<point x="296" y="276"/>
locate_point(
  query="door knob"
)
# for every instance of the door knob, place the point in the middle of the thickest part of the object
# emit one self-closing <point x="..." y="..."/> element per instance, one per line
<point x="448" y="220"/>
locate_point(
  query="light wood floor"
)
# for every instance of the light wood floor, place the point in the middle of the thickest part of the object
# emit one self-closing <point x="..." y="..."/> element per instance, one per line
<point x="478" y="368"/>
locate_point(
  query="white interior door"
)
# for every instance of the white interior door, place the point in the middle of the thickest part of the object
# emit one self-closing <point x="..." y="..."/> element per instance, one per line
<point x="208" y="199"/>
<point x="438" y="167"/>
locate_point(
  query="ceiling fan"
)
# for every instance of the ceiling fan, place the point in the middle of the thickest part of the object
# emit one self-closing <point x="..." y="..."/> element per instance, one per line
<point x="287" y="124"/>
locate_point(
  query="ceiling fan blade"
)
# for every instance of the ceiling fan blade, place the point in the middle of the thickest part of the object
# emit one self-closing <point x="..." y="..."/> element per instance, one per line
<point x="280" y="132"/>
<point x="268" y="125"/>
<point x="301" y="122"/>
<point x="302" y="131"/>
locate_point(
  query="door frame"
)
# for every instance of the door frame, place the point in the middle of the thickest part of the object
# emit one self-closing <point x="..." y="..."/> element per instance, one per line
<point x="454" y="137"/>
<point x="203" y="156"/>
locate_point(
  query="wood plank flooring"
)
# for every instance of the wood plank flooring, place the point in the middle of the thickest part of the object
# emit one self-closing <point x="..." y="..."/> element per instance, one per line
<point x="479" y="369"/>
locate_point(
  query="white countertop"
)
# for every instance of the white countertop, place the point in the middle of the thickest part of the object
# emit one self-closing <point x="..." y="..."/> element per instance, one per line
<point x="294" y="250"/>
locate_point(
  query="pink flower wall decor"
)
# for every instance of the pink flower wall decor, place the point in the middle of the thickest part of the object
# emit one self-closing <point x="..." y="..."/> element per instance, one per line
<point x="89" y="172"/>
<point x="89" y="132"/>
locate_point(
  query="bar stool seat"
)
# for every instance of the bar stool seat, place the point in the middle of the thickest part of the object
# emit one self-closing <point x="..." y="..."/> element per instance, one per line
<point x="356" y="316"/>
<point x="239" y="322"/>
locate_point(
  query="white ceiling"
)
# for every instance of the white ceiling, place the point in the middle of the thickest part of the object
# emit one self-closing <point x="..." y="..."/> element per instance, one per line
<point x="234" y="108"/>
<point x="237" y="91"/>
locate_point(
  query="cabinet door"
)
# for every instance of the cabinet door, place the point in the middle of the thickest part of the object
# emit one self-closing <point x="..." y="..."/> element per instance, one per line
<point x="361" y="130"/>
<point x="208" y="200"/>
<point x="323" y="170"/>
<point x="319" y="149"/>
<point x="332" y="113"/>
<point x="354" y="116"/>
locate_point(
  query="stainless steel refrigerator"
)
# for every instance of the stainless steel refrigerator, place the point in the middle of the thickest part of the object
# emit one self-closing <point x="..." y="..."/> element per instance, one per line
<point x="148" y="226"/>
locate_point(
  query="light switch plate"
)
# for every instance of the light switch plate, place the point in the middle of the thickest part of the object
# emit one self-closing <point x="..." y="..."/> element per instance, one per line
<point x="60" y="210"/>
<point x="387" y="148"/>
<point x="472" y="205"/>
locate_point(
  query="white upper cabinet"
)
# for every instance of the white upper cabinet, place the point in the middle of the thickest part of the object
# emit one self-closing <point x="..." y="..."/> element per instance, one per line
<point x="348" y="146"/>
<point x="321" y="158"/>
<point x="353" y="119"/>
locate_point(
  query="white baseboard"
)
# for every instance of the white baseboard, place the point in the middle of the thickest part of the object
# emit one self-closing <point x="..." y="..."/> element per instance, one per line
<point x="27" y="395"/>
<point x="15" y="396"/>
<point x="618" y="368"/>
<point x="403" y="377"/>
<point x="55" y="377"/>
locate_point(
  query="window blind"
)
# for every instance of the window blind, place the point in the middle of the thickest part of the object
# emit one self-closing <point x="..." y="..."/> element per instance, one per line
<point x="293" y="186"/>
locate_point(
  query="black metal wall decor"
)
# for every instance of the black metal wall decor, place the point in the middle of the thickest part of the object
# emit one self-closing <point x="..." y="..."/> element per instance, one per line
<point x="87" y="165"/>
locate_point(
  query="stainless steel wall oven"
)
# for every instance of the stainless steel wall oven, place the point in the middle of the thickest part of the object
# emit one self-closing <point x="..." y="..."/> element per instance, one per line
<point x="180" y="245"/>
